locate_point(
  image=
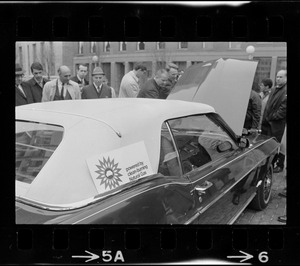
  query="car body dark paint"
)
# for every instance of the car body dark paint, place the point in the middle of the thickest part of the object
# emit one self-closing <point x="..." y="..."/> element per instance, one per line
<point x="173" y="200"/>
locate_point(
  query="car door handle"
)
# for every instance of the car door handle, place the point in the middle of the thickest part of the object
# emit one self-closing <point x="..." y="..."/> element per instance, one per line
<point x="203" y="187"/>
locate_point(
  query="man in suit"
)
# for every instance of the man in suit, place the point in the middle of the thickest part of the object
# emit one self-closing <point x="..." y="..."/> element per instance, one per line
<point x="23" y="93"/>
<point x="274" y="117"/>
<point x="62" y="88"/>
<point x="36" y="83"/>
<point x="98" y="89"/>
<point x="80" y="78"/>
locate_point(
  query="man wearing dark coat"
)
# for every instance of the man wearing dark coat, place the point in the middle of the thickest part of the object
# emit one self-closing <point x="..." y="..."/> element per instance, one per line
<point x="36" y="84"/>
<point x="80" y="78"/>
<point x="274" y="117"/>
<point x="154" y="87"/>
<point x="253" y="111"/>
<point x="97" y="89"/>
<point x="22" y="91"/>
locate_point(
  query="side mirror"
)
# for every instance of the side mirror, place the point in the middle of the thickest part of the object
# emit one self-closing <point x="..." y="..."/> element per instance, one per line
<point x="224" y="146"/>
<point x="244" y="142"/>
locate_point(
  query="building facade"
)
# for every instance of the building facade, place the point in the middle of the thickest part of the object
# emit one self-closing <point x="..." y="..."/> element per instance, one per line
<point x="118" y="58"/>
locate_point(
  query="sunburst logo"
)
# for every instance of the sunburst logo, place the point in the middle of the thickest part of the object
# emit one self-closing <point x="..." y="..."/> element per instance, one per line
<point x="109" y="173"/>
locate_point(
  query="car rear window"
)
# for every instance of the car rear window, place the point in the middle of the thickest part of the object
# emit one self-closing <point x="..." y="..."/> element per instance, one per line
<point x="35" y="143"/>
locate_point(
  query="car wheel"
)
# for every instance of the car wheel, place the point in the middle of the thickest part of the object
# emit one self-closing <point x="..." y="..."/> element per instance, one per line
<point x="263" y="195"/>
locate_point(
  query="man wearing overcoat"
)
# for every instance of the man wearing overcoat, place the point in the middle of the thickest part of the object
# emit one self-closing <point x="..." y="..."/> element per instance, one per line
<point x="37" y="82"/>
<point x="62" y="88"/>
<point x="98" y="89"/>
<point x="274" y="117"/>
<point x="22" y="91"/>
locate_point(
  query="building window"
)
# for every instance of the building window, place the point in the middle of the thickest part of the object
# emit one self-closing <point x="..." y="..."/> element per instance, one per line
<point x="140" y="46"/>
<point x="235" y="45"/>
<point x="106" y="47"/>
<point x="21" y="56"/>
<point x="160" y="45"/>
<point x="123" y="46"/>
<point x="80" y="47"/>
<point x="207" y="45"/>
<point x="263" y="69"/>
<point x="183" y="45"/>
<point x="281" y="64"/>
<point x="93" y="47"/>
<point x="34" y="55"/>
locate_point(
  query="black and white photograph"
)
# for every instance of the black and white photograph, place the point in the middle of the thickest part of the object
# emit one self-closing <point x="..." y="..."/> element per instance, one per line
<point x="145" y="132"/>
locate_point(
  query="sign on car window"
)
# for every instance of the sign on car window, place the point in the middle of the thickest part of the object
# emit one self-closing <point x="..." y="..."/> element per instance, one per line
<point x="117" y="167"/>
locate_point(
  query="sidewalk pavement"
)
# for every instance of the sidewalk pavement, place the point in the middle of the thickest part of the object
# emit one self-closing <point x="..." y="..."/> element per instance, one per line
<point x="276" y="207"/>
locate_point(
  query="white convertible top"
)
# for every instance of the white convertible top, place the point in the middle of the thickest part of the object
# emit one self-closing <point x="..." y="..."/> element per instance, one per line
<point x="92" y="127"/>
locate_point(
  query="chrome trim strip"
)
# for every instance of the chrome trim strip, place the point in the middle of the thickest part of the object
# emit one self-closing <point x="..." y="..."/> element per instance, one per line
<point x="232" y="220"/>
<point x="175" y="146"/>
<point x="87" y="202"/>
<point x="195" y="216"/>
<point x="203" y="209"/>
<point x="231" y="162"/>
<point x="95" y="199"/>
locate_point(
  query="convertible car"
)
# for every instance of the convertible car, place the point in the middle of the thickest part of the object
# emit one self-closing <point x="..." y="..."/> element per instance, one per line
<point x="140" y="161"/>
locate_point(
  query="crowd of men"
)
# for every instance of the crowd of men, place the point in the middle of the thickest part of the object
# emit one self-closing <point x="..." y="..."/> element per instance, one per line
<point x="67" y="87"/>
<point x="266" y="110"/>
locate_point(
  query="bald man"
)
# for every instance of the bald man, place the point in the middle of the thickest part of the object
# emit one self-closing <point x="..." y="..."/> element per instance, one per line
<point x="274" y="117"/>
<point x="61" y="88"/>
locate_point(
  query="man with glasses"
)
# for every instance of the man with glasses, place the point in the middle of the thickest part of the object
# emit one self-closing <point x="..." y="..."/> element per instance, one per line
<point x="61" y="88"/>
<point x="23" y="93"/>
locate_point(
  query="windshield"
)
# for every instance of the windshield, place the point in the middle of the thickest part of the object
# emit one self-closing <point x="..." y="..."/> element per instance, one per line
<point x="35" y="144"/>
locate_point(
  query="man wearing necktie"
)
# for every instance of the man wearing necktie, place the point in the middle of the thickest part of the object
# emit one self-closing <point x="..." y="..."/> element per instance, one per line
<point x="22" y="91"/>
<point x="97" y="89"/>
<point x="62" y="88"/>
<point x="37" y="82"/>
<point x="80" y="78"/>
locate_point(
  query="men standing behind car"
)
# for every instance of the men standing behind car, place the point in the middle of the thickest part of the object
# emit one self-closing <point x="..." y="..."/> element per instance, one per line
<point x="172" y="70"/>
<point x="253" y="111"/>
<point x="129" y="87"/>
<point x="97" y="89"/>
<point x="80" y="78"/>
<point x="154" y="88"/>
<point x="23" y="93"/>
<point x="62" y="88"/>
<point x="265" y="89"/>
<point x="36" y="84"/>
<point x="274" y="117"/>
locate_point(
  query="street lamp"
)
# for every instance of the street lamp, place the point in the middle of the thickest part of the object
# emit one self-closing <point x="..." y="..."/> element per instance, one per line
<point x="250" y="51"/>
<point x="95" y="60"/>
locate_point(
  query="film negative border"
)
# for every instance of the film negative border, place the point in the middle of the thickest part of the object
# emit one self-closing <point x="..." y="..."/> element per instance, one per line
<point x="148" y="244"/>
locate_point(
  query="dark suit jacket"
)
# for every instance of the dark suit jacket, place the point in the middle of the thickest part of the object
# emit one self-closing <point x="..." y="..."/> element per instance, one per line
<point x="20" y="98"/>
<point x="150" y="89"/>
<point x="274" y="117"/>
<point x="90" y="92"/>
<point x="35" y="88"/>
<point x="75" y="78"/>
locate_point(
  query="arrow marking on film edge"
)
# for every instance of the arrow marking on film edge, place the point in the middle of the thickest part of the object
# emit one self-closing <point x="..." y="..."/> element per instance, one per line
<point x="245" y="257"/>
<point x="91" y="257"/>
